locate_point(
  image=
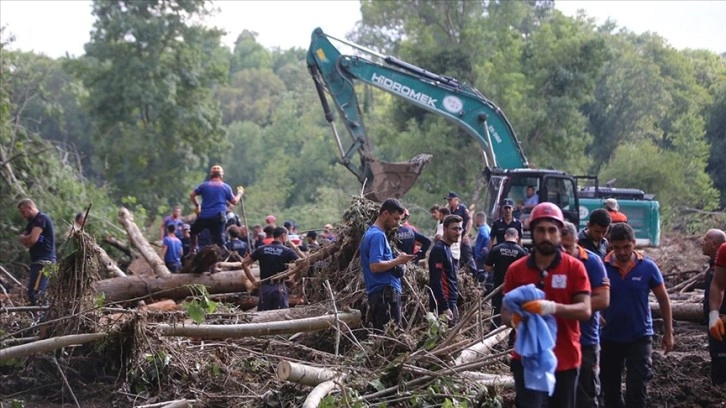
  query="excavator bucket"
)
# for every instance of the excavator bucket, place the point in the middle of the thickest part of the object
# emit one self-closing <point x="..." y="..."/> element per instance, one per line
<point x="393" y="180"/>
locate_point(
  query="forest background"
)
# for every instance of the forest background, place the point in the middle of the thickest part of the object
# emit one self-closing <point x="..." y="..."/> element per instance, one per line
<point x="157" y="99"/>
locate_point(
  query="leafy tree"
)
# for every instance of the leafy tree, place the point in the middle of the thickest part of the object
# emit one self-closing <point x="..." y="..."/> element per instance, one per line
<point x="248" y="53"/>
<point x="149" y="74"/>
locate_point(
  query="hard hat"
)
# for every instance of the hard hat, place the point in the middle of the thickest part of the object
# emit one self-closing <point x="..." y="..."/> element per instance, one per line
<point x="612" y="204"/>
<point x="547" y="211"/>
<point x="216" y="169"/>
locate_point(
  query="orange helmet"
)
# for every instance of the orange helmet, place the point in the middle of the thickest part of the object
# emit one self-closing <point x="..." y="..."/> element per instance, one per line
<point x="549" y="211"/>
<point x="216" y="170"/>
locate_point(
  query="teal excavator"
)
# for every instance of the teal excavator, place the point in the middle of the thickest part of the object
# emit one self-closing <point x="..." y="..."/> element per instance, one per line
<point x="506" y="169"/>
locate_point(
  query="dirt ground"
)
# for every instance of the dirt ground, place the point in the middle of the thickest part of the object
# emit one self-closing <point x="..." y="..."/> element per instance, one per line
<point x="681" y="379"/>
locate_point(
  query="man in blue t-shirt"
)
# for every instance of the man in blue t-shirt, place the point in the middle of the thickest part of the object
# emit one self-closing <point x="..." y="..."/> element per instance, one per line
<point x="171" y="249"/>
<point x="212" y="215"/>
<point x="39" y="238"/>
<point x="627" y="330"/>
<point x="176" y="219"/>
<point x="381" y="271"/>
<point x="588" y="382"/>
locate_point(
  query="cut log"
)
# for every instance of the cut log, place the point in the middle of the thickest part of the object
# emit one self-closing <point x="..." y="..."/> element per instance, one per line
<point x="108" y="264"/>
<point x="289" y="314"/>
<point x="48" y="345"/>
<point x="304" y="374"/>
<point x="352" y="318"/>
<point x="691" y="312"/>
<point x="139" y="267"/>
<point x="137" y="238"/>
<point x="490" y="380"/>
<point x="204" y="261"/>
<point x="321" y="391"/>
<point x="166" y="305"/>
<point x="118" y="244"/>
<point x="173" y="287"/>
<point x="483" y="347"/>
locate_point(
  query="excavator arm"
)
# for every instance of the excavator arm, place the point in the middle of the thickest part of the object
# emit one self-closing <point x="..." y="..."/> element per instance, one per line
<point x="334" y="74"/>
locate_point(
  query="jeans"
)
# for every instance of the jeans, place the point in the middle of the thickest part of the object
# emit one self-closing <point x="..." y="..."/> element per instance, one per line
<point x="563" y="397"/>
<point x="588" y="383"/>
<point x="385" y="305"/>
<point x="37" y="283"/>
<point x="637" y="358"/>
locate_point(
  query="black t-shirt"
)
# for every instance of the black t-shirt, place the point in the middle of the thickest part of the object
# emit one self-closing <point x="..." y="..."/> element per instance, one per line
<point x="237" y="245"/>
<point x="500" y="227"/>
<point x="273" y="258"/>
<point x="44" y="248"/>
<point x="501" y="257"/>
<point x="462" y="212"/>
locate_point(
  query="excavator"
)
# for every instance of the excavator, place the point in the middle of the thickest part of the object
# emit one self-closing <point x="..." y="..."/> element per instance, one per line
<point x="506" y="170"/>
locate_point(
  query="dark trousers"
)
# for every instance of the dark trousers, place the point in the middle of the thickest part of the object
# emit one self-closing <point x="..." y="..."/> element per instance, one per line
<point x="639" y="369"/>
<point x="37" y="283"/>
<point x="273" y="296"/>
<point x="717" y="349"/>
<point x="385" y="305"/>
<point x="215" y="225"/>
<point x="173" y="267"/>
<point x="497" y="309"/>
<point x="588" y="383"/>
<point x="467" y="257"/>
<point x="563" y="397"/>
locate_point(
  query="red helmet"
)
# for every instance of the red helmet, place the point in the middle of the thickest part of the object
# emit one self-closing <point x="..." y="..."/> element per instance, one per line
<point x="548" y="211"/>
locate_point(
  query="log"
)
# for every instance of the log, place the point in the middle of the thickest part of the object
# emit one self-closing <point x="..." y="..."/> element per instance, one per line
<point x="172" y="287"/>
<point x="48" y="345"/>
<point x="107" y="262"/>
<point x="288" y="314"/>
<point x="691" y="312"/>
<point x="483" y="347"/>
<point x="166" y="305"/>
<point x="118" y="244"/>
<point x="304" y="374"/>
<point x="489" y="380"/>
<point x="352" y="318"/>
<point x="5" y="271"/>
<point x="137" y="238"/>
<point x="321" y="391"/>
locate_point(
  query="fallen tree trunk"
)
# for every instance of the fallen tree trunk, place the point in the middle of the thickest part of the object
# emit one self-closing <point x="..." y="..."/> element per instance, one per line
<point x="118" y="244"/>
<point x="304" y="374"/>
<point x="48" y="345"/>
<point x="137" y="238"/>
<point x="288" y="314"/>
<point x="321" y="391"/>
<point x="691" y="312"/>
<point x="506" y="381"/>
<point x="172" y="287"/>
<point x="483" y="347"/>
<point x="107" y="262"/>
<point x="352" y="318"/>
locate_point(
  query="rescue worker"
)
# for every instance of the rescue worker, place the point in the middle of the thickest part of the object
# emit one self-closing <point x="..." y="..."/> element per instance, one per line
<point x="443" y="279"/>
<point x="176" y="219"/>
<point x="39" y="238"/>
<point x="627" y="325"/>
<point x="381" y="271"/>
<point x="592" y="237"/>
<point x="505" y="222"/>
<point x="710" y="244"/>
<point x="407" y="237"/>
<point x="235" y="243"/>
<point x="567" y="297"/>
<point x="467" y="254"/>
<point x="172" y="249"/>
<point x="612" y="207"/>
<point x="481" y="245"/>
<point x="588" y="382"/>
<point x="211" y="216"/>
<point x="273" y="259"/>
<point x="496" y="264"/>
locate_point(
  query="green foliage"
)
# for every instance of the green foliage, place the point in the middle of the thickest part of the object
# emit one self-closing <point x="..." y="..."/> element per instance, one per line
<point x="200" y="304"/>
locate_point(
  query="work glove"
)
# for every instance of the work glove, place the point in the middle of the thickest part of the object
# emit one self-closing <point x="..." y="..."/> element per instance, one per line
<point x="540" y="307"/>
<point x="197" y="210"/>
<point x="715" y="325"/>
<point x="240" y="190"/>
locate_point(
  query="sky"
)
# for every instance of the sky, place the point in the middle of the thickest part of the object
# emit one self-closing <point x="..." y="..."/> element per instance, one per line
<point x="55" y="28"/>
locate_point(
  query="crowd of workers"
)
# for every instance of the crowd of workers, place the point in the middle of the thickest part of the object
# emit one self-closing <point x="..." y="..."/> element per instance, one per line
<point x="587" y="291"/>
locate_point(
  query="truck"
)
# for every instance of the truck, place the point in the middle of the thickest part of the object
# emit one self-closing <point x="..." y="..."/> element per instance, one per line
<point x="507" y="171"/>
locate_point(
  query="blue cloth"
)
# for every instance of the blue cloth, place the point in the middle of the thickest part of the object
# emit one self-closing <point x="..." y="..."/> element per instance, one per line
<point x="536" y="336"/>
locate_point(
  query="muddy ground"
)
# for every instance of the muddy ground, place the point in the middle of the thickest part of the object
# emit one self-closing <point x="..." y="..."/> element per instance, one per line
<point x="241" y="372"/>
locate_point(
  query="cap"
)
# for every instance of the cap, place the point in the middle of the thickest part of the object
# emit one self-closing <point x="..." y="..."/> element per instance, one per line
<point x="507" y="203"/>
<point x="287" y="224"/>
<point x="612" y="204"/>
<point x="451" y="195"/>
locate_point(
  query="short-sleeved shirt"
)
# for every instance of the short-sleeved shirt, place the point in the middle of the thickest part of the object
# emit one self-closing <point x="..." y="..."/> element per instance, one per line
<point x="442" y="276"/>
<point x="500" y="227"/>
<point x="531" y="201"/>
<point x="174" y="249"/>
<point x="501" y="256"/>
<point x="178" y="224"/>
<point x="215" y="195"/>
<point x="273" y="258"/>
<point x="238" y="246"/>
<point x="721" y="256"/>
<point x="628" y="316"/>
<point x="44" y="248"/>
<point x="600" y="248"/>
<point x="374" y="248"/>
<point x="462" y="212"/>
<point x="590" y="328"/>
<point x="482" y="243"/>
<point x="566" y="277"/>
